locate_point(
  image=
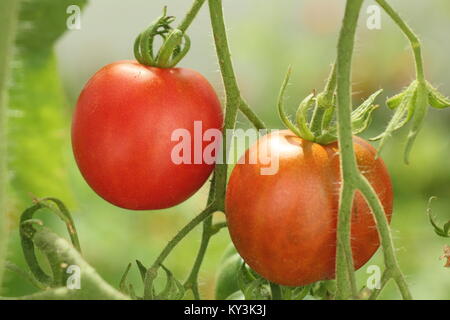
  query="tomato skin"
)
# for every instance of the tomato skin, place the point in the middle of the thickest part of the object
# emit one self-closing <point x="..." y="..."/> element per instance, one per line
<point x="284" y="225"/>
<point x="122" y="127"/>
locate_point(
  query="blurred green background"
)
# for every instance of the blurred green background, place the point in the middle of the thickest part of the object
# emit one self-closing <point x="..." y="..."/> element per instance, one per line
<point x="265" y="37"/>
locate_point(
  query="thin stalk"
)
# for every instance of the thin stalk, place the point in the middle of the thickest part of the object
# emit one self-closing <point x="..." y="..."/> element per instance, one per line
<point x="233" y="102"/>
<point x="251" y="115"/>
<point x="181" y="234"/>
<point x="352" y="178"/>
<point x="190" y="16"/>
<point x="345" y="277"/>
<point x="215" y="228"/>
<point x="421" y="106"/>
<point x="412" y="37"/>
<point x="192" y="280"/>
<point x="148" y="280"/>
<point x="384" y="280"/>
<point x="243" y="106"/>
<point x="232" y="92"/>
<point x="392" y="266"/>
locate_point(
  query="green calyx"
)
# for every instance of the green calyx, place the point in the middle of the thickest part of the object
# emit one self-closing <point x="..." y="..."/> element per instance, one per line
<point x="176" y="44"/>
<point x="411" y="105"/>
<point x="321" y="128"/>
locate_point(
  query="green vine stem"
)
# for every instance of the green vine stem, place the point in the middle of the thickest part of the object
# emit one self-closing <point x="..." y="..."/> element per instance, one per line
<point x="243" y="106"/>
<point x="152" y="271"/>
<point x="92" y="286"/>
<point x="352" y="178"/>
<point x="422" y="91"/>
<point x="28" y="245"/>
<point x="345" y="278"/>
<point x="390" y="258"/>
<point x="190" y="16"/>
<point x="232" y="94"/>
<point x="191" y="282"/>
<point x="413" y="39"/>
<point x="8" y="21"/>
<point x="234" y="102"/>
<point x="251" y="115"/>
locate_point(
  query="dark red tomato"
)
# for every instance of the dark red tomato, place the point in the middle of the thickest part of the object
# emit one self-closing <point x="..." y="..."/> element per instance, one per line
<point x="122" y="133"/>
<point x="284" y="225"/>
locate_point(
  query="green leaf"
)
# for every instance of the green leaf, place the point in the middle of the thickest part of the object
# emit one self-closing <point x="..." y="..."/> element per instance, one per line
<point x="442" y="232"/>
<point x="8" y="20"/>
<point x="420" y="110"/>
<point x="447" y="228"/>
<point x="173" y="290"/>
<point x="253" y="286"/>
<point x="360" y="119"/>
<point x="142" y="269"/>
<point x="395" y="101"/>
<point x="244" y="276"/>
<point x="436" y="99"/>
<point x="170" y="284"/>
<point x="281" y="112"/>
<point x="301" y="117"/>
<point x="123" y="285"/>
<point x="37" y="125"/>
<point x="299" y="293"/>
<point x="403" y="113"/>
<point x="361" y="116"/>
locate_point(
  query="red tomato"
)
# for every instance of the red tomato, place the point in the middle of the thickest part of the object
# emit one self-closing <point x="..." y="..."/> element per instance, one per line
<point x="284" y="225"/>
<point x="122" y="129"/>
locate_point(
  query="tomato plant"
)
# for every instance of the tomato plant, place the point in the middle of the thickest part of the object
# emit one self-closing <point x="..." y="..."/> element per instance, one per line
<point x="320" y="215"/>
<point x="284" y="225"/>
<point x="122" y="133"/>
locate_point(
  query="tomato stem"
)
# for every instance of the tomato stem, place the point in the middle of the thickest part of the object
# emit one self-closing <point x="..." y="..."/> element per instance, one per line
<point x="148" y="289"/>
<point x="251" y="115"/>
<point x="216" y="199"/>
<point x="176" y="42"/>
<point x="234" y="102"/>
<point x="392" y="267"/>
<point x="190" y="16"/>
<point x="352" y="179"/>
<point x="421" y="105"/>
<point x="345" y="277"/>
<point x="191" y="282"/>
<point x="232" y="94"/>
